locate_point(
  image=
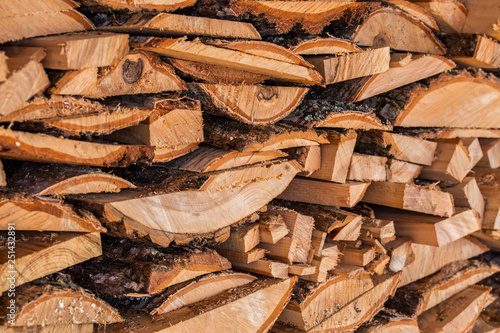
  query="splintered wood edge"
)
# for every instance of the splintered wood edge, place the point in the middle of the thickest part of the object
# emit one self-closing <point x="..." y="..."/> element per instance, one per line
<point x="71" y="185"/>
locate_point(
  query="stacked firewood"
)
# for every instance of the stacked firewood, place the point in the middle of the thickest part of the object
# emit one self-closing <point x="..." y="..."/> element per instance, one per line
<point x="249" y="166"/>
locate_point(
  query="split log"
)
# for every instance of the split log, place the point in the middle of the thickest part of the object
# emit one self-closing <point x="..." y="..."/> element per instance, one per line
<point x="367" y="168"/>
<point x="350" y="232"/>
<point x="285" y="250"/>
<point x="380" y="229"/>
<point x="37" y="19"/>
<point x="44" y="214"/>
<point x="324" y="193"/>
<point x="233" y="135"/>
<point x="315" y="302"/>
<point x="254" y="254"/>
<point x="237" y="193"/>
<point x="265" y="267"/>
<point x="410" y="197"/>
<point x="49" y="149"/>
<point x="39" y="254"/>
<point x="353" y="65"/>
<point x="336" y="156"/>
<point x="417" y="36"/>
<point x="272" y="228"/>
<point x="19" y="56"/>
<point x="451" y="163"/>
<point x="474" y="50"/>
<point x="311" y="17"/>
<point x="132" y="269"/>
<point x="35" y="305"/>
<point x="3" y="181"/>
<point x="450" y="15"/>
<point x="402" y="172"/>
<point x="418" y="67"/>
<point x="222" y="312"/>
<point x="474" y="148"/>
<point x="432" y="230"/>
<point x="216" y="74"/>
<point x="242" y="239"/>
<point x="480" y="19"/>
<point x="319" y="46"/>
<point x="308" y="157"/>
<point x="456" y="314"/>
<point x="174" y="25"/>
<point x="140" y="5"/>
<point x="390" y="321"/>
<point x="4" y="68"/>
<point x="323" y="266"/>
<point x="400" y="252"/>
<point x="415" y="11"/>
<point x="197" y="51"/>
<point x="81" y="50"/>
<point x="417" y="297"/>
<point x="461" y="249"/>
<point x="301" y="269"/>
<point x="449" y="93"/>
<point x="318" y="239"/>
<point x="300" y="229"/>
<point x="491" y="153"/>
<point x="138" y="72"/>
<point x="491" y="219"/>
<point x="361" y="256"/>
<point x="397" y="146"/>
<point x="253" y="104"/>
<point x="467" y="194"/>
<point x="378" y="264"/>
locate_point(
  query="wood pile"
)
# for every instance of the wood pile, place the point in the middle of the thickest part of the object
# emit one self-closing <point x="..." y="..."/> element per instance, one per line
<point x="249" y="166"/>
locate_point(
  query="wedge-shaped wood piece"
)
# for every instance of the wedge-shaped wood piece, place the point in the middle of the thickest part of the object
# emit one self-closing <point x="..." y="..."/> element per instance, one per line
<point x="138" y="72"/>
<point x="39" y="254"/>
<point x="243" y="257"/>
<point x="456" y="314"/>
<point x="400" y="252"/>
<point x="353" y="65"/>
<point x="491" y="219"/>
<point x="419" y="67"/>
<point x="237" y="193"/>
<point x="166" y="24"/>
<point x="319" y="301"/>
<point x="242" y="239"/>
<point x="400" y="147"/>
<point x="4" y="68"/>
<point x="312" y="17"/>
<point x="200" y="289"/>
<point x="45" y="148"/>
<point x="130" y="268"/>
<point x="197" y="51"/>
<point x="451" y="163"/>
<point x="410" y="197"/>
<point x="323" y="266"/>
<point x="467" y="194"/>
<point x="380" y="229"/>
<point x="432" y="230"/>
<point x="272" y="228"/>
<point x="285" y="250"/>
<point x="336" y="156"/>
<point x="22" y="84"/>
<point x="222" y="312"/>
<point x="81" y="50"/>
<point x="461" y="249"/>
<point x="301" y="269"/>
<point x="318" y="239"/>
<point x="233" y="135"/>
<point x="402" y="172"/>
<point x="448" y="93"/>
<point x="417" y="297"/>
<point x="253" y="104"/>
<point x="44" y="214"/>
<point x="390" y="321"/>
<point x="362" y="308"/>
<point x="350" y="232"/>
<point x="474" y="148"/>
<point x="361" y="256"/>
<point x="415" y="11"/>
<point x="140" y="5"/>
<point x="208" y="158"/>
<point x="417" y="37"/>
<point x="265" y="267"/>
<point x="319" y="46"/>
<point x="35" y="304"/>
<point x="474" y="50"/>
<point x="367" y="168"/>
<point x="324" y="193"/>
<point x="216" y="74"/>
<point x="300" y="229"/>
<point x="491" y="153"/>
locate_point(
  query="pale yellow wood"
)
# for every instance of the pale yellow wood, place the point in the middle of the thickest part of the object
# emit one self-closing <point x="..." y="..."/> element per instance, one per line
<point x="474" y="148"/>
<point x="367" y="168"/>
<point x="378" y="228"/>
<point x="336" y="156"/>
<point x="69" y="328"/>
<point x="450" y="15"/>
<point x="264" y="267"/>
<point x="309" y="158"/>
<point x="467" y="194"/>
<point x="272" y="228"/>
<point x="481" y="18"/>
<point x="350" y="232"/>
<point x="491" y="219"/>
<point x="285" y="250"/>
<point x="139" y="5"/>
<point x="323" y="266"/>
<point x="244" y="257"/>
<point x="416" y="11"/>
<point x="4" y="68"/>
<point x="318" y="241"/>
<point x="451" y="163"/>
<point x="410" y="197"/>
<point x="318" y="46"/>
<point x="402" y="172"/>
<point x="384" y="27"/>
<point x="400" y="252"/>
<point x="347" y="119"/>
<point x="243" y="239"/>
<point x="491" y="153"/>
<point x="301" y="269"/>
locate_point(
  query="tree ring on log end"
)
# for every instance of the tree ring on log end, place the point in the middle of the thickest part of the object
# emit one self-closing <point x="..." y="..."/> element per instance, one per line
<point x="132" y="70"/>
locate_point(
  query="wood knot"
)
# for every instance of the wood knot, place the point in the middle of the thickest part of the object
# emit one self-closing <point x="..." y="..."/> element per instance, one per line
<point x="267" y="94"/>
<point x="381" y="40"/>
<point x="132" y="70"/>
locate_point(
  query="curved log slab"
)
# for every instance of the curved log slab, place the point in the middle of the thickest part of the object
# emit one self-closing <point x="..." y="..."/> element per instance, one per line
<point x="388" y="321"/>
<point x="221" y="200"/>
<point x="44" y="214"/>
<point x="416" y="11"/>
<point x="174" y="25"/>
<point x="140" y="5"/>
<point x="318" y="46"/>
<point x="214" y="55"/>
<point x="39" y="254"/>
<point x="417" y="297"/>
<point x="449" y="93"/>
<point x="310" y="16"/>
<point x="49" y="149"/>
<point x="36" y="304"/>
<point x="139" y="72"/>
<point x="221" y="313"/>
<point x="252" y="104"/>
<point x="450" y="15"/>
<point x="132" y="269"/>
<point x="393" y="27"/>
<point x="60" y="179"/>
